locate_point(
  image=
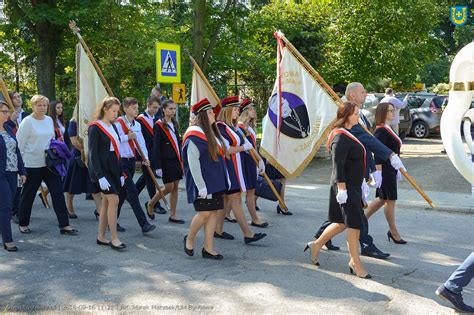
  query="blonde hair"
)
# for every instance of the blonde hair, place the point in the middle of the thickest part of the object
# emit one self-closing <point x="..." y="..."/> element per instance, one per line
<point x="37" y="99"/>
<point x="244" y="118"/>
<point x="225" y="115"/>
<point x="106" y="103"/>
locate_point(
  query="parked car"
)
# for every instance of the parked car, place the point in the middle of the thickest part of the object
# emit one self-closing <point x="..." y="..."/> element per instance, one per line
<point x="426" y="118"/>
<point x="370" y="105"/>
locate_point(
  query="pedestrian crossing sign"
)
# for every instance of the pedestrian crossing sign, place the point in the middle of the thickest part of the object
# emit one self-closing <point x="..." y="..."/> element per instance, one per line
<point x="168" y="63"/>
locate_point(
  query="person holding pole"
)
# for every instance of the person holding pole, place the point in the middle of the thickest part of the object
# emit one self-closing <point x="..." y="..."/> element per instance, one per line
<point x="105" y="169"/>
<point x="206" y="176"/>
<point x="245" y="126"/>
<point x="227" y="121"/>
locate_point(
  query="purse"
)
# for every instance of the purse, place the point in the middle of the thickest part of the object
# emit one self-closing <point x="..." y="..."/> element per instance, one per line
<point x="52" y="160"/>
<point x="264" y="191"/>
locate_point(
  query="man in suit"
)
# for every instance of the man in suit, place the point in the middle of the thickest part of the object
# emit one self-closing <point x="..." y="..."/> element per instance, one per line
<point x="356" y="93"/>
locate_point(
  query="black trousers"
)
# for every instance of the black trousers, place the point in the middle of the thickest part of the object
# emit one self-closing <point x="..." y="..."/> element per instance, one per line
<point x="130" y="193"/>
<point x="7" y="191"/>
<point x="34" y="178"/>
<point x="145" y="180"/>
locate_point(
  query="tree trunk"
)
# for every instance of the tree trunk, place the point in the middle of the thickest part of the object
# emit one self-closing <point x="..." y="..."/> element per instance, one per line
<point x="198" y="47"/>
<point x="46" y="66"/>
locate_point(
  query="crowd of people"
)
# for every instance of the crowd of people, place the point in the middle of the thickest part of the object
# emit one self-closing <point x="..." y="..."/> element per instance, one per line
<point x="217" y="157"/>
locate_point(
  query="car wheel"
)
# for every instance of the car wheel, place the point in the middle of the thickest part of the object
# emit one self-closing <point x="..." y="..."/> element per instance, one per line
<point x="420" y="129"/>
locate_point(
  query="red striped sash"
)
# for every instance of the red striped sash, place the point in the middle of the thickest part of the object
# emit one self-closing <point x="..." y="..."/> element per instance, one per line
<point x="351" y="136"/>
<point x="112" y="139"/>
<point x="173" y="143"/>
<point x="145" y="122"/>
<point x="392" y="133"/>
<point x="125" y="131"/>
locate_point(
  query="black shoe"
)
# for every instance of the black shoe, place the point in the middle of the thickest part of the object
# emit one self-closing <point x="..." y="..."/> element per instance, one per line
<point x="96" y="213"/>
<point x="151" y="216"/>
<point x="10" y="248"/>
<point x="68" y="232"/>
<point x="25" y="231"/>
<point x="189" y="252"/>
<point x="178" y="221"/>
<point x="455" y="299"/>
<point x="263" y="225"/>
<point x="256" y="237"/>
<point x="72" y="215"/>
<point x="330" y="246"/>
<point x="15" y="219"/>
<point x="280" y="211"/>
<point x="159" y="209"/>
<point x="224" y="236"/>
<point x="120" y="228"/>
<point x="89" y="197"/>
<point x="118" y="247"/>
<point x="257" y="208"/>
<point x="374" y="252"/>
<point x="206" y="254"/>
<point x="230" y="220"/>
<point x="366" y="276"/>
<point x="103" y="243"/>
<point x="147" y="227"/>
<point x="400" y="241"/>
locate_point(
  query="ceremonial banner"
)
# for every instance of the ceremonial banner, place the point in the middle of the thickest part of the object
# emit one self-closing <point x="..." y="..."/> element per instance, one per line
<point x="90" y="92"/>
<point x="299" y="112"/>
<point x="201" y="88"/>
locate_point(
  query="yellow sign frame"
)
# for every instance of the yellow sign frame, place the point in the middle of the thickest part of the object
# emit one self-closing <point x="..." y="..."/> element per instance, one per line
<point x="173" y="49"/>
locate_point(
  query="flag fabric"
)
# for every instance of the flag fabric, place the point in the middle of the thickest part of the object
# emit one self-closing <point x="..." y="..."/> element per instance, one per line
<point x="91" y="91"/>
<point x="299" y="112"/>
<point x="200" y="88"/>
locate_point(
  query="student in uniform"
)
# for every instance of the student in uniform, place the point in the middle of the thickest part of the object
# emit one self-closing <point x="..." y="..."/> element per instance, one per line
<point x="387" y="193"/>
<point x="168" y="162"/>
<point x="56" y="114"/>
<point x="147" y="121"/>
<point x="246" y="126"/>
<point x="77" y="180"/>
<point x="34" y="136"/>
<point x="227" y="121"/>
<point x="206" y="176"/>
<point x="345" y="197"/>
<point x="11" y="165"/>
<point x="130" y="133"/>
<point x="105" y="169"/>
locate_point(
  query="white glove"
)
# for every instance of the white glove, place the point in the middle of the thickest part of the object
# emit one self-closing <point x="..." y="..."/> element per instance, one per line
<point x="122" y="181"/>
<point x="247" y="145"/>
<point x="341" y="196"/>
<point x="104" y="184"/>
<point x="399" y="175"/>
<point x="376" y="179"/>
<point x="396" y="162"/>
<point x="202" y="193"/>
<point x="261" y="166"/>
<point x="365" y="191"/>
<point x="159" y="172"/>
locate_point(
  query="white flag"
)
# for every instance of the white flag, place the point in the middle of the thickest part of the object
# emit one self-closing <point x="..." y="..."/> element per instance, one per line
<point x="200" y="89"/>
<point x="307" y="109"/>
<point x="90" y="91"/>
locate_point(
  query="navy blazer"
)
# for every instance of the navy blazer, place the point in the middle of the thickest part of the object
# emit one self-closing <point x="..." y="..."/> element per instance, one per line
<point x="3" y="154"/>
<point x="12" y="124"/>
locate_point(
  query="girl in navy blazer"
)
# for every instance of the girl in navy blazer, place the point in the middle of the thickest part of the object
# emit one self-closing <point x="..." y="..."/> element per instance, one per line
<point x="11" y="164"/>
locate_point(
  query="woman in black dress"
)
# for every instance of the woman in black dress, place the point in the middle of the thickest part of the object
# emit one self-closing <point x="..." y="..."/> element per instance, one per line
<point x="345" y="199"/>
<point x="387" y="193"/>
<point x="168" y="162"/>
<point x="105" y="168"/>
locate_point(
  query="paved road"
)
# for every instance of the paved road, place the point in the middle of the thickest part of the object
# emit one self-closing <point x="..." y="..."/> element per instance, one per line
<point x="58" y="273"/>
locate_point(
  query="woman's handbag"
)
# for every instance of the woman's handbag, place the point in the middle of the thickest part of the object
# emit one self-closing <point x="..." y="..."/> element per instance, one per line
<point x="53" y="160"/>
<point x="264" y="191"/>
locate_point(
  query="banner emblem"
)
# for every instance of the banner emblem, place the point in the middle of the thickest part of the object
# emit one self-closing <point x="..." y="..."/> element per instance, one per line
<point x="295" y="120"/>
<point x="458" y="15"/>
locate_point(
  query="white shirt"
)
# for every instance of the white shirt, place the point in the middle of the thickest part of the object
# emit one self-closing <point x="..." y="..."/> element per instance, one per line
<point x="61" y="127"/>
<point x="173" y="135"/>
<point x="125" y="149"/>
<point x="33" y="138"/>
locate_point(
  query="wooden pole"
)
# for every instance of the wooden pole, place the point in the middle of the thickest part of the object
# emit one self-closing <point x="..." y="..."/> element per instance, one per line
<point x="75" y="30"/>
<point x="203" y="77"/>
<point x="338" y="101"/>
<point x="4" y="90"/>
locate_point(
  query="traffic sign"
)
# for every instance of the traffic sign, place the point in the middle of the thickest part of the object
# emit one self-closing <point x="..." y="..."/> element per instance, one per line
<point x="168" y="63"/>
<point x="179" y="93"/>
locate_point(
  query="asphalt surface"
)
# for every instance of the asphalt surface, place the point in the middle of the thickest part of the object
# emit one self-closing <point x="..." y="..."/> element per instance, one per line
<point x="54" y="273"/>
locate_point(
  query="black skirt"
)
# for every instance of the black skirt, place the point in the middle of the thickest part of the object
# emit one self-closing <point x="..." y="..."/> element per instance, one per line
<point x="77" y="180"/>
<point x="349" y="213"/>
<point x="112" y="172"/>
<point x="172" y="170"/>
<point x="388" y="189"/>
<point x="213" y="204"/>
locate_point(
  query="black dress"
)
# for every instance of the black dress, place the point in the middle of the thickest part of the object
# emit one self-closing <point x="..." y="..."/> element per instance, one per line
<point x="166" y="154"/>
<point x="102" y="161"/>
<point x="388" y="190"/>
<point x="348" y="164"/>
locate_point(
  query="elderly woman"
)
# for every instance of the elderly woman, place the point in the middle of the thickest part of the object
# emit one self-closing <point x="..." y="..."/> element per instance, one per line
<point x="34" y="136"/>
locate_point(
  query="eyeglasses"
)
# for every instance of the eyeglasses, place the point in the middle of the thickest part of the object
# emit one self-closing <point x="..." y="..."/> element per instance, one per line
<point x="390" y="110"/>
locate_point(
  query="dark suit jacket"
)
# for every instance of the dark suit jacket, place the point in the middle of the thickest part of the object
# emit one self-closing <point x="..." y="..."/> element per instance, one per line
<point x="3" y="155"/>
<point x="101" y="159"/>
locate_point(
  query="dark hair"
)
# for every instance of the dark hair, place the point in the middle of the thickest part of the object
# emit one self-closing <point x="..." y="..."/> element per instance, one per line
<point x="152" y="99"/>
<point x="389" y="91"/>
<point x="3" y="103"/>
<point x="54" y="115"/>
<point x="211" y="132"/>
<point x="106" y="103"/>
<point x="128" y="101"/>
<point x="173" y="120"/>
<point x="10" y="94"/>
<point x="381" y="113"/>
<point x="343" y="114"/>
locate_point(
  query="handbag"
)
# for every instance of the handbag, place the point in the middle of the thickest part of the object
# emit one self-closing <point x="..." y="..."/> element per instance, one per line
<point x="264" y="191"/>
<point x="52" y="160"/>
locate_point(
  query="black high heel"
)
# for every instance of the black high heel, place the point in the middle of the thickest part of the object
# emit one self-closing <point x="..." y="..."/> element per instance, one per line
<point x="10" y="248"/>
<point x="151" y="216"/>
<point x="96" y="213"/>
<point x="69" y="232"/>
<point x="305" y="249"/>
<point x="189" y="252"/>
<point x="366" y="276"/>
<point x="400" y="241"/>
<point x="280" y="211"/>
